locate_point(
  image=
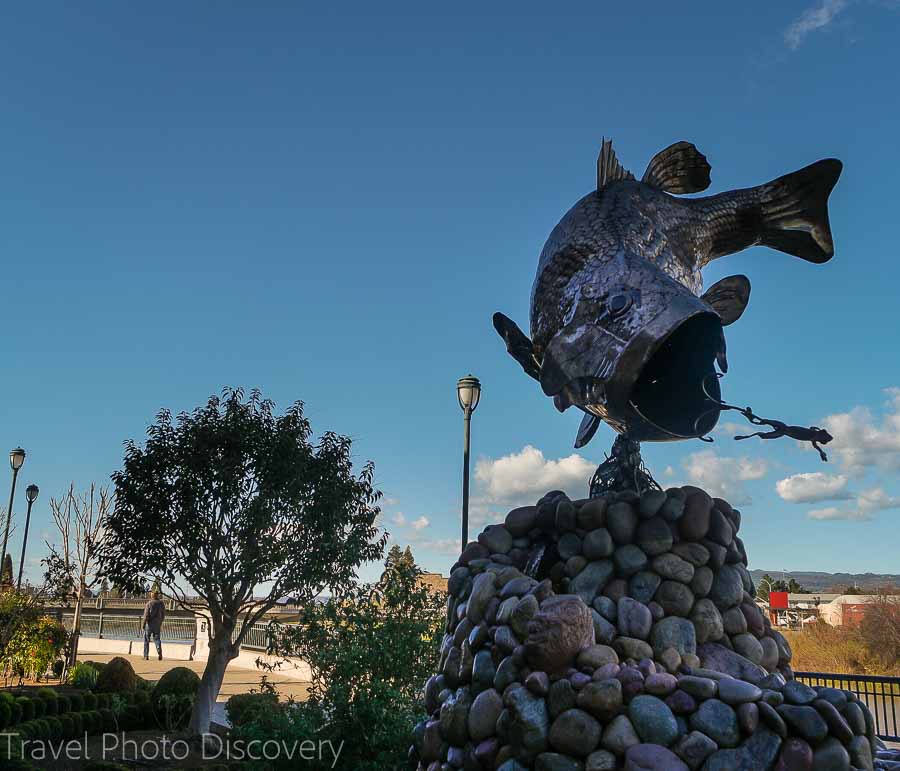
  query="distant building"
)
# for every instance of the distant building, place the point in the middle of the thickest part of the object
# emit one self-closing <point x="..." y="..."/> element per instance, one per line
<point x="795" y="610"/>
<point x="434" y="581"/>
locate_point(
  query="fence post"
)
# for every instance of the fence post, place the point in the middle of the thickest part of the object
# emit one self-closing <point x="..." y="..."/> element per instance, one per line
<point x="100" y="622"/>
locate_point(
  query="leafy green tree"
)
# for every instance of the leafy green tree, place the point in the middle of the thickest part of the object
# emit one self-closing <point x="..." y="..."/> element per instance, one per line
<point x="359" y="694"/>
<point x="231" y="499"/>
<point x="795" y="587"/>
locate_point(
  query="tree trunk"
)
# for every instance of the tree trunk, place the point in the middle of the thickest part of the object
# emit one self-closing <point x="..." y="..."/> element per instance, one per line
<point x="221" y="651"/>
<point x="76" y="627"/>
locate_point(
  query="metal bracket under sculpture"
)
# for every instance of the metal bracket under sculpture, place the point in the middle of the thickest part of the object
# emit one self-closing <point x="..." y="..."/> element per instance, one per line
<point x="620" y="327"/>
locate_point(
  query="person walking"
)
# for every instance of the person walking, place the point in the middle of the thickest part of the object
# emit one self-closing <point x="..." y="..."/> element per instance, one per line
<point x="151" y="624"/>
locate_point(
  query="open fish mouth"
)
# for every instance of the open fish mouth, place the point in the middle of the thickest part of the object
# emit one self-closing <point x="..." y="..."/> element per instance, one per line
<point x="668" y="397"/>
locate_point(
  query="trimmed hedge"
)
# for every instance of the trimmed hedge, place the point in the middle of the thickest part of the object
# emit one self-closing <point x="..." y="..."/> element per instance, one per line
<point x="26" y="708"/>
<point x="117" y="676"/>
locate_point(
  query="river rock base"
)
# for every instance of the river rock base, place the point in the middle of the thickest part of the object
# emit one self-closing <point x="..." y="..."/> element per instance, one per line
<point x="621" y="632"/>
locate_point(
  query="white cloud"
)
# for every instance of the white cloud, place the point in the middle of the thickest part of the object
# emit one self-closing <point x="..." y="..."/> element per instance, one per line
<point x="420" y="524"/>
<point x="812" y="19"/>
<point x="526" y="475"/>
<point x="669" y="472"/>
<point x="722" y="477"/>
<point x="389" y="502"/>
<point x="876" y="499"/>
<point x="445" y="546"/>
<point x="862" y="440"/>
<point x="812" y="488"/>
<point x="868" y="502"/>
<point x="399" y="519"/>
<point x="832" y="512"/>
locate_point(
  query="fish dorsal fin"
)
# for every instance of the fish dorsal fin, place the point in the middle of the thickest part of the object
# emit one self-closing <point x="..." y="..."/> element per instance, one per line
<point x="680" y="168"/>
<point x="608" y="167"/>
<point x="728" y="297"/>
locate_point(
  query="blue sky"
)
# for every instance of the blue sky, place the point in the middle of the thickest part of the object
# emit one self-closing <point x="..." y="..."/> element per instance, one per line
<point x="329" y="201"/>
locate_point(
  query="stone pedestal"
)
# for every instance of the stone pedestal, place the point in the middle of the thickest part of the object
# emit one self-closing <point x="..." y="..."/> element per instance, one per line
<point x="635" y="643"/>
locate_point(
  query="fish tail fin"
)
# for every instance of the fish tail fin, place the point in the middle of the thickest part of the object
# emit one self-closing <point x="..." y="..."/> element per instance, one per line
<point x="795" y="211"/>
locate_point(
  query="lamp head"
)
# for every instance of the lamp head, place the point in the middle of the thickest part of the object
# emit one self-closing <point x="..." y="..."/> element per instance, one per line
<point x="468" y="391"/>
<point x="31" y="493"/>
<point x="16" y="458"/>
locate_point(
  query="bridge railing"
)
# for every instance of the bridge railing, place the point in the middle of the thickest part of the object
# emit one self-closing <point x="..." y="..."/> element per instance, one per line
<point x="116" y="627"/>
<point x="881" y="695"/>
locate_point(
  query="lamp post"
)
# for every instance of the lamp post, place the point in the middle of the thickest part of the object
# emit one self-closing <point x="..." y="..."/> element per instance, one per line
<point x="468" y="391"/>
<point x="16" y="459"/>
<point x="31" y="494"/>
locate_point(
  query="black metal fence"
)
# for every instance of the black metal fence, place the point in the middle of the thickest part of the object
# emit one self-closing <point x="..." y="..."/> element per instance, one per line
<point x="881" y="695"/>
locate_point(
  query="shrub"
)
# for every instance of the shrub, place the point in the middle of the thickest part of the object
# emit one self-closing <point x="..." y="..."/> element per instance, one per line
<point x="243" y="705"/>
<point x="76" y="702"/>
<point x="5" y="714"/>
<point x="173" y="697"/>
<point x="42" y="728"/>
<point x="117" y="676"/>
<point x="40" y="707"/>
<point x="51" y="705"/>
<point x="34" y="646"/>
<point x="68" y="727"/>
<point x="131" y="719"/>
<point x="83" y="675"/>
<point x="56" y="728"/>
<point x="77" y="723"/>
<point x="90" y="700"/>
<point x="104" y="700"/>
<point x="96" y="721"/>
<point x="46" y="693"/>
<point x="141" y="697"/>
<point x="110" y="725"/>
<point x="63" y="704"/>
<point x="26" y="707"/>
<point x="15" y="712"/>
<point x="104" y="765"/>
<point x="98" y="665"/>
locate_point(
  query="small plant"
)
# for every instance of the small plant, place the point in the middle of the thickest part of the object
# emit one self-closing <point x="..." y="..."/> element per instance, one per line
<point x="83" y="675"/>
<point x="173" y="697"/>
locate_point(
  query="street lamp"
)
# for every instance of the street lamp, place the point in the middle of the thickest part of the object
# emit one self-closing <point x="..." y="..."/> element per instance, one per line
<point x="468" y="391"/>
<point x="16" y="459"/>
<point x="31" y="494"/>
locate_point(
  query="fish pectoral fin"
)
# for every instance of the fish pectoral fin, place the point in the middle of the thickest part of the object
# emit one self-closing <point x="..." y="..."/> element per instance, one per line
<point x="728" y="297"/>
<point x="587" y="429"/>
<point x="608" y="167"/>
<point x="518" y="344"/>
<point x="795" y="211"/>
<point x="680" y="168"/>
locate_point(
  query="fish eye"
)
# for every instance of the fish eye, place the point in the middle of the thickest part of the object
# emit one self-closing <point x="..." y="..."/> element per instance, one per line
<point x="619" y="303"/>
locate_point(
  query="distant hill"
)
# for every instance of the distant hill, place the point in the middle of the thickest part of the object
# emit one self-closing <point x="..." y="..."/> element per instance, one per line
<point x="822" y="582"/>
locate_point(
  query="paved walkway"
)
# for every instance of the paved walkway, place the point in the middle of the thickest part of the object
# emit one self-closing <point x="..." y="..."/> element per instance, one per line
<point x="237" y="679"/>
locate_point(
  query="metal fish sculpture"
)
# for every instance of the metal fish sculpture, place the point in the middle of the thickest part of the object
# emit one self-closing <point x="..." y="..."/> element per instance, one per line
<point x="619" y="327"/>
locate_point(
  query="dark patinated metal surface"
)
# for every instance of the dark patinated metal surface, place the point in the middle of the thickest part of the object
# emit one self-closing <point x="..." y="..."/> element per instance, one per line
<point x="619" y="328"/>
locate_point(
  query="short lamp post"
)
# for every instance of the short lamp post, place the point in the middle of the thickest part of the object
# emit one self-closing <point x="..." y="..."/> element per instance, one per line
<point x="31" y="494"/>
<point x="16" y="459"/>
<point x="468" y="391"/>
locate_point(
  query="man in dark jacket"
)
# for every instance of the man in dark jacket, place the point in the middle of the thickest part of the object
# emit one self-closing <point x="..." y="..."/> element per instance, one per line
<point x="151" y="624"/>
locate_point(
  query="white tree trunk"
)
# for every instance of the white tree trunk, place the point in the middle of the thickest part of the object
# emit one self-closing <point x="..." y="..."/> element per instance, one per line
<point x="221" y="651"/>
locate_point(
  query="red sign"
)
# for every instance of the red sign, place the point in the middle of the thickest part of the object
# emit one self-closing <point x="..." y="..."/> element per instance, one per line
<point x="778" y="600"/>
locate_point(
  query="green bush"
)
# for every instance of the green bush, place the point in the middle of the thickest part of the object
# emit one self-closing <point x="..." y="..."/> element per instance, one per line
<point x="77" y="723"/>
<point x="110" y="725"/>
<point x="68" y="726"/>
<point x="15" y="712"/>
<point x="50" y="703"/>
<point x="141" y="697"/>
<point x="40" y="707"/>
<point x="117" y="676"/>
<point x="243" y="705"/>
<point x="56" y="728"/>
<point x="27" y="708"/>
<point x="76" y="702"/>
<point x="42" y="728"/>
<point x="18" y="764"/>
<point x="131" y="719"/>
<point x="5" y="714"/>
<point x="90" y="700"/>
<point x="173" y="697"/>
<point x="104" y="700"/>
<point x="83" y="675"/>
<point x="63" y="704"/>
<point x="46" y="693"/>
<point x="96" y="721"/>
<point x="104" y="765"/>
<point x="98" y="665"/>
